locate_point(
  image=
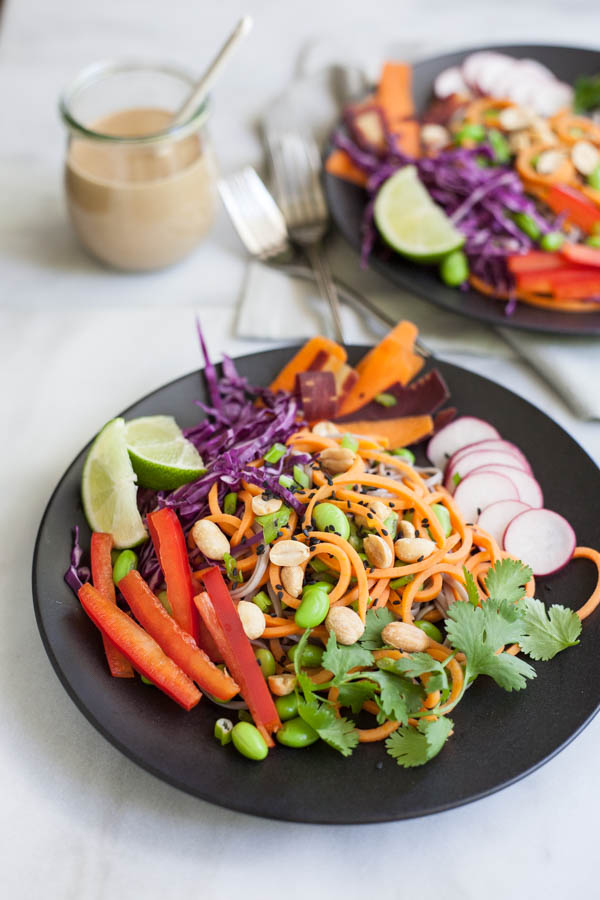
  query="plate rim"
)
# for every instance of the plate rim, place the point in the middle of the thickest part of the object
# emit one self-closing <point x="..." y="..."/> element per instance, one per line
<point x="239" y="807"/>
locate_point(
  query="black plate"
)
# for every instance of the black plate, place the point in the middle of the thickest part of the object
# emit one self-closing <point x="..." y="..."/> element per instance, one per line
<point x="499" y="737"/>
<point x="346" y="203"/>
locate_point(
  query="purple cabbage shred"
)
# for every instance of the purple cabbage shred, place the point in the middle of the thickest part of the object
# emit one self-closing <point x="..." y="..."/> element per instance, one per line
<point x="76" y="575"/>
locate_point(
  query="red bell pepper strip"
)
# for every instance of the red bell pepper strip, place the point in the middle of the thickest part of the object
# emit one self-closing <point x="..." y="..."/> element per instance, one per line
<point x="579" y="210"/>
<point x="102" y="579"/>
<point x="535" y="261"/>
<point x="581" y="255"/>
<point x="141" y="649"/>
<point x="171" y="549"/>
<point x="222" y="620"/>
<point x="177" y="644"/>
<point x="574" y="283"/>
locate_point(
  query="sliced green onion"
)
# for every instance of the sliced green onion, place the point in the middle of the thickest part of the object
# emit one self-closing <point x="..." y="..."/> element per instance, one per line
<point x="262" y="600"/>
<point x="286" y="481"/>
<point x="275" y="453"/>
<point x="385" y="399"/>
<point x="396" y="583"/>
<point x="223" y="729"/>
<point x="456" y="479"/>
<point x="231" y="569"/>
<point x="404" y="454"/>
<point x="273" y="522"/>
<point x="593" y="240"/>
<point x="349" y="442"/>
<point x="230" y="504"/>
<point x="300" y="477"/>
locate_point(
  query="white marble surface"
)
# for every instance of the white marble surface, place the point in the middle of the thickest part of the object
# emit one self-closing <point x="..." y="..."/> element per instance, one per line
<point x="77" y="343"/>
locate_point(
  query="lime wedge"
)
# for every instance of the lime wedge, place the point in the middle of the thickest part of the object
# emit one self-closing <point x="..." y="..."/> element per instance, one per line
<point x="108" y="488"/>
<point x="410" y="222"/>
<point x="161" y="456"/>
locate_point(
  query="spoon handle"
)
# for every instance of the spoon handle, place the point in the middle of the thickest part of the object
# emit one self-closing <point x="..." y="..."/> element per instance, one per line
<point x="213" y="71"/>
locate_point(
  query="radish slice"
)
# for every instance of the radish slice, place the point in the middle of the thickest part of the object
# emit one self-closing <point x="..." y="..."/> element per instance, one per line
<point x="527" y="487"/>
<point x="449" y="82"/>
<point x="462" y="431"/>
<point x="491" y="444"/>
<point x="481" y="489"/>
<point x="478" y="67"/>
<point x="477" y="460"/>
<point x="495" y="518"/>
<point x="542" y="539"/>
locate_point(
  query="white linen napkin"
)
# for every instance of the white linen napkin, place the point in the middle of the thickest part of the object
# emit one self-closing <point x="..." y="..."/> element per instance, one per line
<point x="278" y="307"/>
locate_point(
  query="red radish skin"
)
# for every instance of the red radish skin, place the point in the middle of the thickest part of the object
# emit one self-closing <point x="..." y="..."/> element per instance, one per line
<point x="481" y="489"/>
<point x="491" y="444"/>
<point x="528" y="488"/>
<point x="496" y="517"/>
<point x="477" y="460"/>
<point x="541" y="538"/>
<point x="460" y="432"/>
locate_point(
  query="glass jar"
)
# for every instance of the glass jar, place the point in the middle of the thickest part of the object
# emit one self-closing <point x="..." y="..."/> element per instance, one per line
<point x="141" y="192"/>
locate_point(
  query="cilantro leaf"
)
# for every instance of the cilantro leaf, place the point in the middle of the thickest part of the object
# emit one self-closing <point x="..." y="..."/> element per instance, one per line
<point x="414" y="746"/>
<point x="418" y="664"/>
<point x="547" y="633"/>
<point x="336" y="731"/>
<point x="398" y="696"/>
<point x="375" y="622"/>
<point x="471" y="586"/>
<point x="355" y="693"/>
<point x="339" y="660"/>
<point x="480" y="632"/>
<point x="506" y="580"/>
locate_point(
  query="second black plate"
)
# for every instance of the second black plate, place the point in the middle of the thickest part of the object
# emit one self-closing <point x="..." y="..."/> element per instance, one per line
<point x="347" y="201"/>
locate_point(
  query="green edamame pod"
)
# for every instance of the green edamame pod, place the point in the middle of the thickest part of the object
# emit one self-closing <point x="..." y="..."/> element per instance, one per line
<point x="527" y="225"/>
<point x="125" y="562"/>
<point x="248" y="741"/>
<point x="431" y="630"/>
<point x="230" y="503"/>
<point x="552" y="241"/>
<point x="266" y="661"/>
<point x="311" y="656"/>
<point x="297" y="733"/>
<point x="443" y="517"/>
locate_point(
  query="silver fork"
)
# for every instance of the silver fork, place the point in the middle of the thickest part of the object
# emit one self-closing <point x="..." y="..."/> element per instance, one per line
<point x="262" y="229"/>
<point x="296" y="172"/>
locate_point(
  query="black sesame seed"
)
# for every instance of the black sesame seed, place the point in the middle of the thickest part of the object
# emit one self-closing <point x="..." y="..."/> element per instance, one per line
<point x="260" y="549"/>
<point x="425" y="523"/>
<point x="416" y="532"/>
<point x="279" y="595"/>
<point x="396" y="602"/>
<point x="478" y="511"/>
<point x="370" y="515"/>
<point x="384" y="532"/>
<point x="278" y="587"/>
<point x="420" y="559"/>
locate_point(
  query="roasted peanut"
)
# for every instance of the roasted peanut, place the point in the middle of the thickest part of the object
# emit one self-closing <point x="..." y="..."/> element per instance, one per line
<point x="210" y="540"/>
<point x="288" y="553"/>
<point x="292" y="578"/>
<point x="252" y="619"/>
<point x="282" y="685"/>
<point x="263" y="507"/>
<point x="378" y="552"/>
<point x="410" y="550"/>
<point x="404" y="636"/>
<point x="346" y="625"/>
<point x="336" y="460"/>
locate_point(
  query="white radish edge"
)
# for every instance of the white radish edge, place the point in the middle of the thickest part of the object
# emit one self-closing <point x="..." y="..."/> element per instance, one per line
<point x="490" y="444"/>
<point x="444" y="444"/>
<point x="478" y="460"/>
<point x="496" y="517"/>
<point x="529" y="490"/>
<point x="542" y="539"/>
<point x="474" y="483"/>
<point x="449" y="82"/>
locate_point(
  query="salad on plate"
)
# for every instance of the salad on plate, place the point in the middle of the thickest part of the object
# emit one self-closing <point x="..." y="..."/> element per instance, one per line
<point x="497" y="183"/>
<point x="289" y="559"/>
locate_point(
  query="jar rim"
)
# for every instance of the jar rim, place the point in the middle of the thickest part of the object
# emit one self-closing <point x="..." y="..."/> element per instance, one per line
<point x="108" y="67"/>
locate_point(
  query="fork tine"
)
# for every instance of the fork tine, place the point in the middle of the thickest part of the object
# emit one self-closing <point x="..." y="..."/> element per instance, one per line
<point x="255" y="215"/>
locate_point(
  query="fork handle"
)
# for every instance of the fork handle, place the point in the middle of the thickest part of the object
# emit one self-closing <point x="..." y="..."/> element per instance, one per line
<point x="326" y="286"/>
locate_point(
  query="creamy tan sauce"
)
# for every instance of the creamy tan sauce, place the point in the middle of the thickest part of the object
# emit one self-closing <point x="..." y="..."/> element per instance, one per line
<point x="140" y="207"/>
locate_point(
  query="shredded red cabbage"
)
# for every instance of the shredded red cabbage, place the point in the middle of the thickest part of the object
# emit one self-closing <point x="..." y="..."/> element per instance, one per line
<point x="76" y="574"/>
<point x="478" y="198"/>
<point x="235" y="432"/>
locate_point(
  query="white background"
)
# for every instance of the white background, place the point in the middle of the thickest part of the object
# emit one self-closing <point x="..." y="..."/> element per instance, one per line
<point x="78" y="343"/>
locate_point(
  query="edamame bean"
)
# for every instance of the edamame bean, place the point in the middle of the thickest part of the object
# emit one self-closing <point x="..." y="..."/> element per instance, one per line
<point x="311" y="655"/>
<point x="313" y="609"/>
<point x="287" y="707"/>
<point x="594" y="179"/>
<point x="443" y="517"/>
<point x="230" y="503"/>
<point x="552" y="241"/>
<point x="349" y="442"/>
<point x="499" y="145"/>
<point x="244" y="716"/>
<point x="593" y="240"/>
<point x="266" y="661"/>
<point x="248" y="741"/>
<point x="328" y="517"/>
<point x="528" y="225"/>
<point x="222" y="732"/>
<point x="162" y="596"/>
<point x="470" y="132"/>
<point x="430" y="630"/>
<point x="297" y="733"/>
<point x="318" y="585"/>
<point x="126" y="561"/>
<point x="454" y="268"/>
